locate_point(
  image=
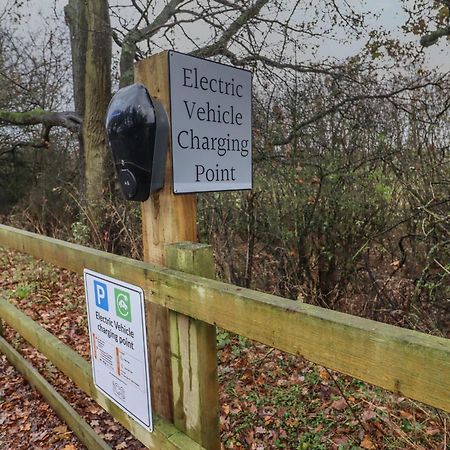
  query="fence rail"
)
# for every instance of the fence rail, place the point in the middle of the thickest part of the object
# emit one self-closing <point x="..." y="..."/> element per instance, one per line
<point x="407" y="362"/>
<point x="165" y="435"/>
<point x="81" y="429"/>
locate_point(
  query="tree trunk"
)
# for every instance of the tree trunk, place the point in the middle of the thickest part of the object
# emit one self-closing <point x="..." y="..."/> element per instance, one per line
<point x="97" y="97"/>
<point x="75" y="16"/>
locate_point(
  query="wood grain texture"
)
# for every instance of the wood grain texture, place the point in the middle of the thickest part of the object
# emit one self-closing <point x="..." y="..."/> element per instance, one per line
<point x="64" y="411"/>
<point x="194" y="355"/>
<point x="410" y="363"/>
<point x="166" y="219"/>
<point x="165" y="435"/>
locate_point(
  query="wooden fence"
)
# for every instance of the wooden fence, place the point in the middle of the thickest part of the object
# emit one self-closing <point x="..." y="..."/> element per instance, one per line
<point x="407" y="362"/>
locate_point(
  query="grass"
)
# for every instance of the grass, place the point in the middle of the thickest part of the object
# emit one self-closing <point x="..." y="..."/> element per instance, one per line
<point x="271" y="399"/>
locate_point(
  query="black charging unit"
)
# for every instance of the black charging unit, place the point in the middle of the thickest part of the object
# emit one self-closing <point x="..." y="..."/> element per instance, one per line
<point x="137" y="128"/>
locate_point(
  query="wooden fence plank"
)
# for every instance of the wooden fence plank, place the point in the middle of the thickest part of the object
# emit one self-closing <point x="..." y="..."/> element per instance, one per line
<point x="407" y="362"/>
<point x="194" y="355"/>
<point x="75" y="422"/>
<point x="165" y="435"/>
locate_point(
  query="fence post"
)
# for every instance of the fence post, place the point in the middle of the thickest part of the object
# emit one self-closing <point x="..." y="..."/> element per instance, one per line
<point x="194" y="355"/>
<point x="166" y="219"/>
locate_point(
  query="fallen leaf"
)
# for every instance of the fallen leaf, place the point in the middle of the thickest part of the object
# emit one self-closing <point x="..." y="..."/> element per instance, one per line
<point x="368" y="414"/>
<point x="121" y="446"/>
<point x="406" y="415"/>
<point x="342" y="430"/>
<point x="367" y="443"/>
<point x="61" y="429"/>
<point x="292" y="421"/>
<point x="250" y="438"/>
<point x="69" y="447"/>
<point x="340" y="404"/>
<point x="94" y="409"/>
<point x="62" y="432"/>
<point x="430" y="431"/>
<point x="340" y="440"/>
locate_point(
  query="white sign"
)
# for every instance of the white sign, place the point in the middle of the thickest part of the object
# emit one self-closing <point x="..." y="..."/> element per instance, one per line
<point x="118" y="339"/>
<point x="211" y="125"/>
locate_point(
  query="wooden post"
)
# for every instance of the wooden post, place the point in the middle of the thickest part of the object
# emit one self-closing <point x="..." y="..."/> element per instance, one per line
<point x="166" y="219"/>
<point x="194" y="355"/>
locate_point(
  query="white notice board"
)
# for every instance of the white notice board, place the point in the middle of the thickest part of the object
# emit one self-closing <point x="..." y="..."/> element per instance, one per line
<point x="211" y="123"/>
<point x="116" y="318"/>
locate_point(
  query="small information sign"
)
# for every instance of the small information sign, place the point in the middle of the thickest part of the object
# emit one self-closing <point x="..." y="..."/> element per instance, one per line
<point x="211" y="123"/>
<point x="118" y="338"/>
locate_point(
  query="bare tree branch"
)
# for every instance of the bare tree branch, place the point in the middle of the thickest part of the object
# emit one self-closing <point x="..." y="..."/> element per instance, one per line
<point x="221" y="44"/>
<point x="297" y="127"/>
<point x="300" y="68"/>
<point x="67" y="119"/>
<point x="129" y="45"/>
<point x="431" y="38"/>
<point x="37" y="143"/>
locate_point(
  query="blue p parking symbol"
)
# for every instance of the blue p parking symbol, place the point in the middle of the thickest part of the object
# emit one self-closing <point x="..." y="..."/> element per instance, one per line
<point x="101" y="295"/>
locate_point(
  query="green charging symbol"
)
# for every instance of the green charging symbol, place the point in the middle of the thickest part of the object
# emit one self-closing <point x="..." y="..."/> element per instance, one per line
<point x="123" y="304"/>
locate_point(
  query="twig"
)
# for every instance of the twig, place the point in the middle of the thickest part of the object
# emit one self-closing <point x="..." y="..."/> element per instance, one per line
<point x="442" y="267"/>
<point x="445" y="433"/>
<point x="260" y="360"/>
<point x="361" y="423"/>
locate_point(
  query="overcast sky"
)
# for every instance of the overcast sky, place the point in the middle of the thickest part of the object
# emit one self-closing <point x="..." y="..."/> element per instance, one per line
<point x="391" y="18"/>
